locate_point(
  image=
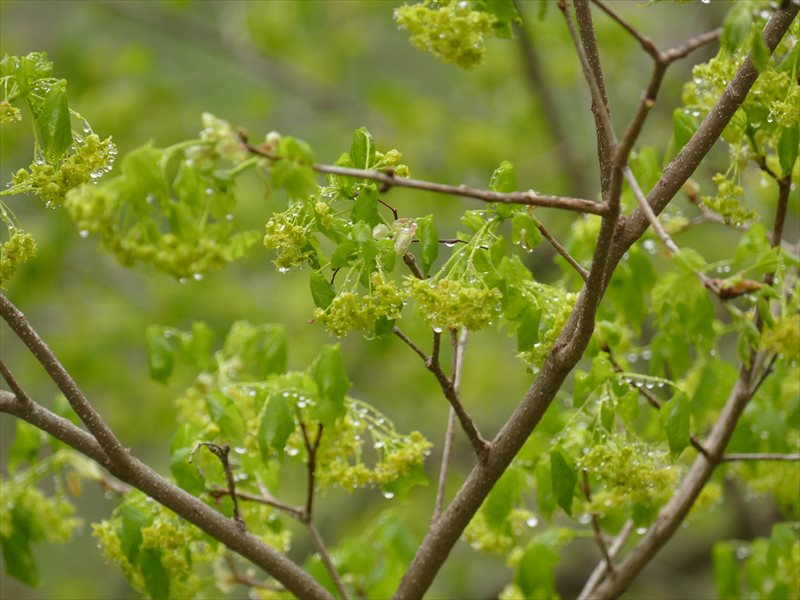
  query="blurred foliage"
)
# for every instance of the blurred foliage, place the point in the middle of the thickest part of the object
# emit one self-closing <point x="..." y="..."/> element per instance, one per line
<point x="147" y="73"/>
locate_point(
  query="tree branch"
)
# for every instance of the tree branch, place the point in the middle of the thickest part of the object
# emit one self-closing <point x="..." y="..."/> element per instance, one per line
<point x="222" y="453"/>
<point x="562" y="251"/>
<point x="601" y="570"/>
<point x="755" y="456"/>
<point x="326" y="559"/>
<point x="194" y="510"/>
<point x="645" y="42"/>
<point x="87" y="413"/>
<point x="459" y="343"/>
<point x="443" y="534"/>
<point x="389" y="180"/>
<point x="598" y="532"/>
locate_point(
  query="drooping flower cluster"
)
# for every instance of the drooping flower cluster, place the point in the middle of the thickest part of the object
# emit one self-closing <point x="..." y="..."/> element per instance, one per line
<point x="18" y="249"/>
<point x="9" y="113"/>
<point x="351" y="311"/>
<point x="90" y="159"/>
<point x="450" y="30"/>
<point x="729" y="201"/>
<point x="289" y="239"/>
<point x="451" y="304"/>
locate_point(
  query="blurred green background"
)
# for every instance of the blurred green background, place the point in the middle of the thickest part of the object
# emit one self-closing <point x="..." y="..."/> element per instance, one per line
<point x="317" y="70"/>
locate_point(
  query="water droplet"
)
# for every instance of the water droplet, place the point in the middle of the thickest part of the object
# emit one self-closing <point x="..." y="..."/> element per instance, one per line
<point x="585" y="519"/>
<point x="283" y="270"/>
<point x="197" y="276"/>
<point x="641" y="530"/>
<point x="632" y="357"/>
<point x="150" y="198"/>
<point x="742" y="552"/>
<point x="647" y="354"/>
<point x="182" y="280"/>
<point x="229" y="217"/>
<point x="649" y="385"/>
<point x="378" y="445"/>
<point x="388" y="495"/>
<point x="438" y="329"/>
<point x="532" y="522"/>
<point x="83" y="233"/>
<point x="239" y="450"/>
<point x="450" y="244"/>
<point x="209" y="191"/>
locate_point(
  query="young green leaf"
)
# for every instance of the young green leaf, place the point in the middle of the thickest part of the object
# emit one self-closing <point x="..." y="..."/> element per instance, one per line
<point x="156" y="577"/>
<point x="17" y="555"/>
<point x="160" y="353"/>
<point x="788" y="148"/>
<point x="759" y="50"/>
<point x="277" y="424"/>
<point x="130" y="531"/>
<point x="226" y="415"/>
<point x="331" y="378"/>
<point x="504" y="178"/>
<point x="564" y="478"/>
<point x="321" y="290"/>
<point x="362" y="151"/>
<point x="675" y="416"/>
<point x="54" y="123"/>
<point x="726" y="571"/>
<point x="365" y="208"/>
<point x="26" y="444"/>
<point x="684" y="127"/>
<point x="429" y="242"/>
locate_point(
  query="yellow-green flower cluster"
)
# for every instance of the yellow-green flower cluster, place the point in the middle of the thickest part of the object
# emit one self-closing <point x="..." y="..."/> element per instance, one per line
<point x="628" y="474"/>
<point x="9" y="113"/>
<point x="391" y="160"/>
<point x="729" y="201"/>
<point x="556" y="312"/>
<point x="341" y="455"/>
<point x="783" y="337"/>
<point x="90" y="159"/>
<point x="49" y="518"/>
<point x="483" y="537"/>
<point x="289" y="239"/>
<point x="450" y="303"/>
<point x="350" y="311"/>
<point x="449" y="30"/>
<point x="223" y="138"/>
<point x="18" y="249"/>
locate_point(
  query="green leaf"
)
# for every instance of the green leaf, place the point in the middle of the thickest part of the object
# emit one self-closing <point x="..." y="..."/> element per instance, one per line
<point x="321" y="290"/>
<point x="297" y="179"/>
<point x="759" y="52"/>
<point x="503" y="497"/>
<point x="156" y="577"/>
<point x="684" y="127"/>
<point x="18" y="557"/>
<point x="545" y="498"/>
<point x="534" y="575"/>
<point x="788" y="148"/>
<point x="130" y="531"/>
<point x="528" y="329"/>
<point x="362" y="151"/>
<point x="564" y="478"/>
<point x="504" y="178"/>
<point x="365" y="208"/>
<point x="524" y="230"/>
<point x="675" y="415"/>
<point x="277" y="424"/>
<point x="261" y="349"/>
<point x="329" y="373"/>
<point x="735" y="28"/>
<point x="186" y="475"/>
<point x="295" y="150"/>
<point x="226" y="415"/>
<point x="160" y="353"/>
<point x="26" y="444"/>
<point x="429" y="242"/>
<point x="54" y="123"/>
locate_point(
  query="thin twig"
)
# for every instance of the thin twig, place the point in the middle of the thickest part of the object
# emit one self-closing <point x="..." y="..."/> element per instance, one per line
<point x="389" y="180"/>
<point x="598" y="99"/>
<point x="598" y="532"/>
<point x="601" y="570"/>
<point x="222" y="452"/>
<point x="459" y="343"/>
<point x="410" y="343"/>
<point x="645" y="42"/>
<point x="266" y="499"/>
<point x="311" y="451"/>
<point x="648" y="211"/>
<point x="692" y="44"/>
<point x="326" y="560"/>
<point x="562" y="251"/>
<point x="237" y="577"/>
<point x="12" y="383"/>
<point x="755" y="456"/>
